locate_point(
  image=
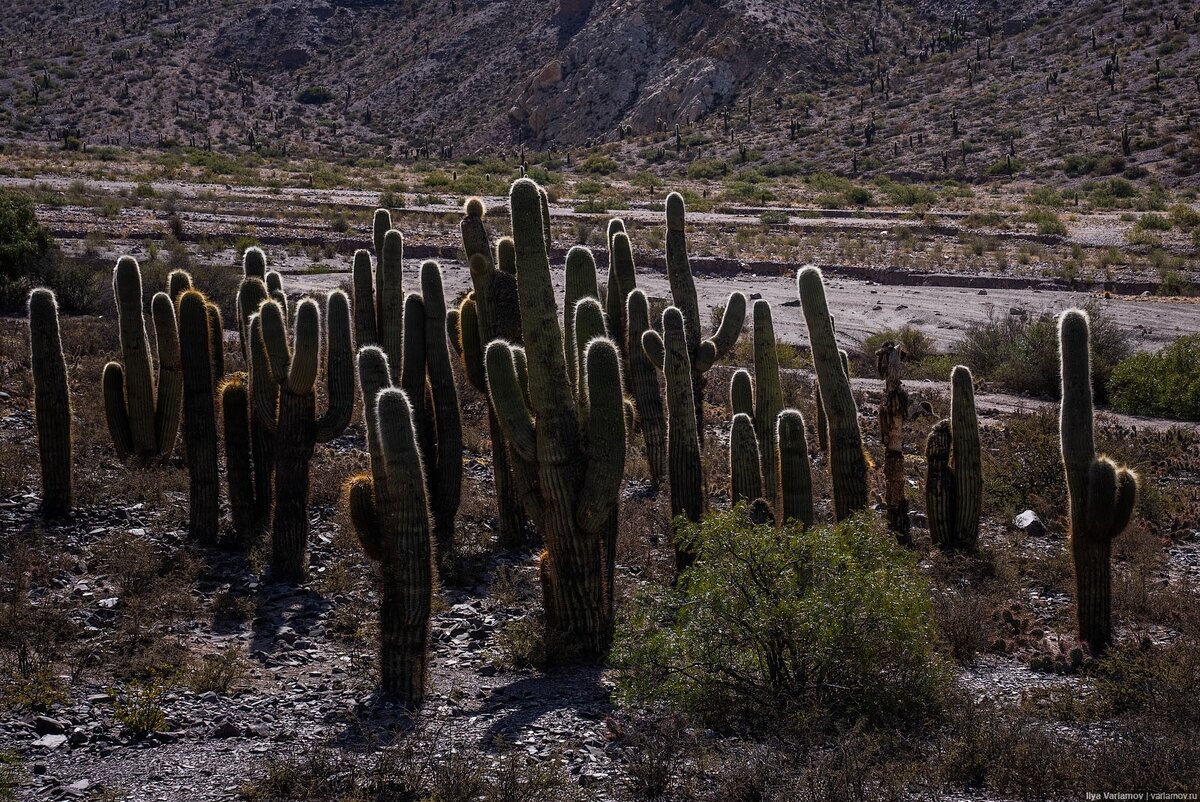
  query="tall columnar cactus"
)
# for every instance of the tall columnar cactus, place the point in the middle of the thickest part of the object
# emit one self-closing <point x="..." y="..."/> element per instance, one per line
<point x="199" y="417"/>
<point x="488" y="312"/>
<point x="761" y="399"/>
<point x="822" y="425"/>
<point x="379" y="300"/>
<point x="745" y="465"/>
<point x="893" y="413"/>
<point x="261" y="465"/>
<point x="847" y="464"/>
<point x="390" y="512"/>
<point x="643" y="385"/>
<point x="572" y="463"/>
<point x="622" y="280"/>
<point x="428" y="381"/>
<point x="297" y="429"/>
<point x="684" y="472"/>
<point x="51" y="402"/>
<point x="702" y="354"/>
<point x="793" y="499"/>
<point x="141" y="423"/>
<point x="239" y="464"/>
<point x="1102" y="494"/>
<point x="954" y="473"/>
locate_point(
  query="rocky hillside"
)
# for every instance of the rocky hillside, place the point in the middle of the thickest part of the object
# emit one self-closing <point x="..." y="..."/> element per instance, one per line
<point x="909" y="86"/>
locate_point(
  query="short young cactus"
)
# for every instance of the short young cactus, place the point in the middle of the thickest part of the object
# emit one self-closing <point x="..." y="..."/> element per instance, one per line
<point x="793" y="498"/>
<point x="51" y="402"/>
<point x="684" y="473"/>
<point x="577" y="460"/>
<point x="702" y="354"/>
<point x="893" y="413"/>
<point x="488" y="312"/>
<point x="1102" y="494"/>
<point x="142" y="424"/>
<point x="390" y="512"/>
<point x="644" y="386"/>
<point x="199" y="417"/>
<point x="293" y="369"/>
<point x="954" y="473"/>
<point x="847" y="464"/>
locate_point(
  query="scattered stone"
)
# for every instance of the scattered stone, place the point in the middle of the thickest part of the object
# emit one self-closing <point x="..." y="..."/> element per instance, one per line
<point x="1030" y="524"/>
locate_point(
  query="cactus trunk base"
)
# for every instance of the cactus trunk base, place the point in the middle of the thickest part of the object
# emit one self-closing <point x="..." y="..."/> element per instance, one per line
<point x="513" y="526"/>
<point x="293" y="450"/>
<point x="1093" y="591"/>
<point x="402" y="644"/>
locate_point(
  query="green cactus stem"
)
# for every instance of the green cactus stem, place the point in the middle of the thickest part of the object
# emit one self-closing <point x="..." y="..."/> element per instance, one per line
<point x="644" y="385"/>
<point x="768" y="390"/>
<point x="200" y="417"/>
<point x="251" y="294"/>
<point x="745" y="465"/>
<point x="239" y="465"/>
<point x="954" y="473"/>
<point x="1102" y="494"/>
<point x="474" y="233"/>
<point x="793" y="498"/>
<point x="847" y="464"/>
<point x="702" y="354"/>
<point x="580" y="283"/>
<point x="389" y="509"/>
<point x="575" y="465"/>
<point x="297" y="429"/>
<point x="51" y="402"/>
<point x="142" y="423"/>
<point x="893" y="414"/>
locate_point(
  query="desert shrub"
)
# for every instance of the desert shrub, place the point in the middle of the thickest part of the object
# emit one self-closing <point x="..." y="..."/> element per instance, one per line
<point x="1022" y="466"/>
<point x="706" y="169"/>
<point x="915" y="342"/>
<point x="1047" y="222"/>
<point x="858" y="196"/>
<point x="315" y="95"/>
<point x="25" y="247"/>
<point x="786" y="630"/>
<point x="1021" y="354"/>
<point x="1153" y="222"/>
<point x="597" y="164"/>
<point x="1183" y="217"/>
<point x="1166" y="383"/>
<point x="138" y="707"/>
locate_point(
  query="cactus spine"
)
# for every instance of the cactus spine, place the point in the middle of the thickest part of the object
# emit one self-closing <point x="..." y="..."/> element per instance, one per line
<point x="954" y="473"/>
<point x="702" y="354"/>
<point x="576" y="462"/>
<point x="847" y="465"/>
<point x="51" y="402"/>
<point x="199" y="416"/>
<point x="488" y="312"/>
<point x="684" y="473"/>
<point x="745" y="467"/>
<point x="893" y="413"/>
<point x="1102" y="494"/>
<point x="643" y="384"/>
<point x="390" y="512"/>
<point x="142" y="424"/>
<point x="293" y="369"/>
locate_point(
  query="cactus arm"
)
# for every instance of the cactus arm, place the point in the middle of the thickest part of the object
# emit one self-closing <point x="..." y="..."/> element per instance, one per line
<point x="679" y="271"/>
<point x="621" y="282"/>
<point x="374" y="376"/>
<point x="339" y="369"/>
<point x="683" y="444"/>
<point x="264" y="387"/>
<point x="366" y="331"/>
<point x="768" y="391"/>
<point x="389" y="295"/>
<point x="200" y="431"/>
<point x="643" y="382"/>
<point x="306" y="349"/>
<point x="446" y="470"/>
<point x="113" y="381"/>
<point x="254" y="263"/>
<point x="178" y="282"/>
<point x="251" y="293"/>
<point x="741" y="393"/>
<point x="239" y="473"/>
<point x="453" y="327"/>
<point x="652" y="346"/>
<point x="474" y="233"/>
<point x="794" y="494"/>
<point x="940" y="487"/>
<point x="601" y="487"/>
<point x="273" y="331"/>
<point x="274" y="284"/>
<point x="360" y="499"/>
<point x="506" y="256"/>
<point x="509" y="400"/>
<point x="734" y="317"/>
<point x="580" y="283"/>
<point x="544" y="203"/>
<point x="589" y="324"/>
<point x="745" y="473"/>
<point x="412" y="369"/>
<point x="51" y="402"/>
<point x="135" y="356"/>
<point x="170" y="375"/>
<point x="848" y="467"/>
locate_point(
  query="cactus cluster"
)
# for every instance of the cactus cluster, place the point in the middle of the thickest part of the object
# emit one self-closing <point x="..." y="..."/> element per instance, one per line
<point x="389" y="509"/>
<point x="1102" y="494"/>
<point x="196" y="355"/>
<point x="287" y="373"/>
<point x="847" y="464"/>
<point x="954" y="472"/>
<point x="51" y="402"/>
<point x="684" y="472"/>
<point x="567" y="442"/>
<point x="893" y="414"/>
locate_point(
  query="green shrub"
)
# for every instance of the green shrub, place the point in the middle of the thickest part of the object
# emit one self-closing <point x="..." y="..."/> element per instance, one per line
<point x="1153" y="222"/>
<point x="706" y="169"/>
<point x="25" y="248"/>
<point x="776" y="630"/>
<point x="315" y="96"/>
<point x="858" y="196"/>
<point x="774" y="217"/>
<point x="1047" y="222"/>
<point x="1021" y="354"/>
<point x="1184" y="217"/>
<point x="915" y="342"/>
<point x="1166" y="383"/>
<point x="600" y="165"/>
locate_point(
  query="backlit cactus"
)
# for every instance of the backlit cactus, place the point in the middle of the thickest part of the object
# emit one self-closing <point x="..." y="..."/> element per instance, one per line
<point x="142" y="423"/>
<point x="199" y="417"/>
<point x="745" y="467"/>
<point x="239" y="464"/>
<point x="580" y="270"/>
<point x="702" y="354"/>
<point x="761" y="399"/>
<point x="379" y="299"/>
<point x="258" y="466"/>
<point x="576" y="461"/>
<point x="488" y="312"/>
<point x="684" y="474"/>
<point x="954" y="472"/>
<point x="389" y="509"/>
<point x="793" y="499"/>
<point x="1102" y="494"/>
<point x="644" y="386"/>
<point x="893" y="413"/>
<point x="847" y="464"/>
<point x="51" y="402"/>
<point x="293" y="369"/>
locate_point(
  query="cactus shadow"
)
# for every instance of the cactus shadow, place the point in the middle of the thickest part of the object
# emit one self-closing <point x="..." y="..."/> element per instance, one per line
<point x="283" y="615"/>
<point x="526" y="700"/>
